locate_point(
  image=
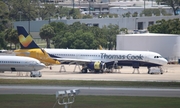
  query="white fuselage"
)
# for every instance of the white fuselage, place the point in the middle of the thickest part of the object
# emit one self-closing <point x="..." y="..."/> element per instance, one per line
<point x="17" y="63"/>
<point x="107" y="56"/>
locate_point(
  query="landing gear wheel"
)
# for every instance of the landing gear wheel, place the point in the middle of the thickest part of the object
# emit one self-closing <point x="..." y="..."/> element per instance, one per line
<point x="84" y="70"/>
<point x="96" y="71"/>
<point x="101" y="71"/>
<point x="148" y="70"/>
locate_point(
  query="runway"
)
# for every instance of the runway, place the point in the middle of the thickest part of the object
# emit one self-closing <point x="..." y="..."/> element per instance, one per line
<point x="50" y="90"/>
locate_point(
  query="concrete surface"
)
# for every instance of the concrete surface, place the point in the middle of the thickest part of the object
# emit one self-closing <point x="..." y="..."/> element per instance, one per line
<point x="125" y="74"/>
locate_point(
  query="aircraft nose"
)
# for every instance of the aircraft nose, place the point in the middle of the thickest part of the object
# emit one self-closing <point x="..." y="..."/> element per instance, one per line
<point x="164" y="61"/>
<point x="43" y="65"/>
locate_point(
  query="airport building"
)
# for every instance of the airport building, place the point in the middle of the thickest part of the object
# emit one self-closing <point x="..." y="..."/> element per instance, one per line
<point x="131" y="23"/>
<point x="118" y="7"/>
<point x="168" y="45"/>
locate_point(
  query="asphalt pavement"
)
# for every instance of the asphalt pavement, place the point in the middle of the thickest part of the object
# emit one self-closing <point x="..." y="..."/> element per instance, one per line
<point x="171" y="73"/>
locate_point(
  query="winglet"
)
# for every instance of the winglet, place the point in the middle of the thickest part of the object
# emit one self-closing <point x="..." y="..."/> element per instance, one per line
<point x="26" y="41"/>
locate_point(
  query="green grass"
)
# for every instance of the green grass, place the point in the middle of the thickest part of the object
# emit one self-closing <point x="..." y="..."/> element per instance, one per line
<point x="90" y="83"/>
<point x="47" y="101"/>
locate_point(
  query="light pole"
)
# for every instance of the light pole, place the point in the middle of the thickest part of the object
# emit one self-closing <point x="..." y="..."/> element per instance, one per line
<point x="108" y="45"/>
<point x="118" y="16"/>
<point x="160" y="11"/>
<point x="29" y="17"/>
<point x="144" y="4"/>
<point x="73" y="4"/>
<point x="49" y="18"/>
<point x="20" y="15"/>
<point x="125" y="16"/>
<point x="89" y="7"/>
<point x="66" y="97"/>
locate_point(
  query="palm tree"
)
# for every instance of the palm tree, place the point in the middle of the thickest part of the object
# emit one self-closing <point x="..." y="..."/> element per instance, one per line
<point x="7" y="33"/>
<point x="47" y="32"/>
<point x="14" y="37"/>
<point x="3" y="43"/>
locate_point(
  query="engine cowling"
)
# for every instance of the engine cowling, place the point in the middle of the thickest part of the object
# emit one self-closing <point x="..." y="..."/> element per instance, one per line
<point x="95" y="65"/>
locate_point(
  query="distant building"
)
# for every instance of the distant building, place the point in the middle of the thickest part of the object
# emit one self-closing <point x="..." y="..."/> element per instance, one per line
<point x="131" y="23"/>
<point x="168" y="45"/>
<point x="102" y="7"/>
<point x="123" y="10"/>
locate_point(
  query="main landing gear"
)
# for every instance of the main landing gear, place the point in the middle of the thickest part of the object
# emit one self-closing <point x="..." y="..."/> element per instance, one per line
<point x="85" y="70"/>
<point x="135" y="70"/>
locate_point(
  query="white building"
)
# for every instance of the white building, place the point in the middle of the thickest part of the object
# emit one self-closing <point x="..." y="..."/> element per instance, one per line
<point x="168" y="45"/>
<point x="122" y="3"/>
<point x="123" y="10"/>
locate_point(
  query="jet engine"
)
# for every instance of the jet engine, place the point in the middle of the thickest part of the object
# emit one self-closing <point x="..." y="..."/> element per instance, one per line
<point x="95" y="65"/>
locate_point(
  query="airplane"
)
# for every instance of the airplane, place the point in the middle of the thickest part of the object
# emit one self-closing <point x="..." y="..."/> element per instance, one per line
<point x="95" y="60"/>
<point x="30" y="49"/>
<point x="3" y="51"/>
<point x="17" y="63"/>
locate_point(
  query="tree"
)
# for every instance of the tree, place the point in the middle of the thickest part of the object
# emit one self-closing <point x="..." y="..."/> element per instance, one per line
<point x="76" y="40"/>
<point x="99" y="35"/>
<point x="85" y="40"/>
<point x="135" y="14"/>
<point x="78" y="36"/>
<point x="11" y="37"/>
<point x="111" y="31"/>
<point x="75" y="13"/>
<point x="23" y="9"/>
<point x="171" y="26"/>
<point x="128" y="14"/>
<point x="124" y="30"/>
<point x="59" y="26"/>
<point x="157" y="12"/>
<point x="14" y="37"/>
<point x="3" y="43"/>
<point x="75" y="26"/>
<point x="172" y="3"/>
<point x="83" y="36"/>
<point x="7" y="34"/>
<point x="4" y="15"/>
<point x="47" y="32"/>
<point x="47" y="11"/>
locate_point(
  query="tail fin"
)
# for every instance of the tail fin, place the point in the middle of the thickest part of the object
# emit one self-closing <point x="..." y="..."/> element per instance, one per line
<point x="100" y="47"/>
<point x="25" y="39"/>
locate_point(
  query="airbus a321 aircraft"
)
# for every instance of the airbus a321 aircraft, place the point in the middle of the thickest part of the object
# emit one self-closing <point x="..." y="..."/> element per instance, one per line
<point x="96" y="60"/>
<point x="17" y="63"/>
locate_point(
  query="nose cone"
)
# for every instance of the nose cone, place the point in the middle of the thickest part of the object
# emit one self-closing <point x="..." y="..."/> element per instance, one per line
<point x="164" y="61"/>
<point x="57" y="62"/>
<point x="42" y="65"/>
<point x="39" y="66"/>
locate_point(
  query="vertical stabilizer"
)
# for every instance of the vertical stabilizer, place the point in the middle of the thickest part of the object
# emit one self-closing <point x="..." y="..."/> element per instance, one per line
<point x="25" y="39"/>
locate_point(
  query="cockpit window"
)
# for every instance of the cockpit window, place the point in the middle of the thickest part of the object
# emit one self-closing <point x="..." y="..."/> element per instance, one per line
<point x="157" y="56"/>
<point x="37" y="62"/>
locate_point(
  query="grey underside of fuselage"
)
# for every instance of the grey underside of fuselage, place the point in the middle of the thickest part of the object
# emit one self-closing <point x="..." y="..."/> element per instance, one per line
<point x="121" y="63"/>
<point x="16" y="68"/>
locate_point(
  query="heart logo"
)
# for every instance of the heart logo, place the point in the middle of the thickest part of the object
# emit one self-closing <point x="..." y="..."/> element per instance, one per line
<point x="25" y="41"/>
